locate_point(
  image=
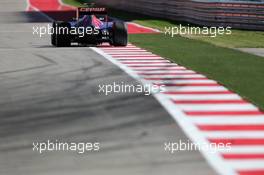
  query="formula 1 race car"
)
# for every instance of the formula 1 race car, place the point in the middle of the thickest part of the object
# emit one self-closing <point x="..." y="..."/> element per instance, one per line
<point x="91" y="27"/>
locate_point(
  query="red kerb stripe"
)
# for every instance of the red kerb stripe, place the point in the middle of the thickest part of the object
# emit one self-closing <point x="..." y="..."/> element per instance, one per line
<point x="243" y="156"/>
<point x="197" y="92"/>
<point x="188" y="84"/>
<point x="161" y="62"/>
<point x="183" y="78"/>
<point x="228" y="113"/>
<point x="231" y="127"/>
<point x="171" y="73"/>
<point x="138" y="56"/>
<point x="209" y="101"/>
<point x="156" y="66"/>
<point x="251" y="172"/>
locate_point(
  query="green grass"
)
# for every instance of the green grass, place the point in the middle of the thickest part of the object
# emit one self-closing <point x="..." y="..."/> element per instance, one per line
<point x="76" y="3"/>
<point x="240" y="72"/>
<point x="238" y="39"/>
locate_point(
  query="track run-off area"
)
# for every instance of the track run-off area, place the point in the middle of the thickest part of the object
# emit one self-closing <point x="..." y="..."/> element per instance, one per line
<point x="206" y="111"/>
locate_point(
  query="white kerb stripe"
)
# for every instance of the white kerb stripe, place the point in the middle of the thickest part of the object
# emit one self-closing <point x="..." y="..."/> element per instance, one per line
<point x="205" y="97"/>
<point x="228" y="119"/>
<point x="243" y="150"/>
<point x="215" y="107"/>
<point x="246" y="164"/>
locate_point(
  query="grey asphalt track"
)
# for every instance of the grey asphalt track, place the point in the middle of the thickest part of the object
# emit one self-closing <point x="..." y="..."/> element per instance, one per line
<point x="52" y="93"/>
<point x="255" y="51"/>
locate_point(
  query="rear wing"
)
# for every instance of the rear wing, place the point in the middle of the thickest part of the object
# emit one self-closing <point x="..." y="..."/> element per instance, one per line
<point x="90" y="11"/>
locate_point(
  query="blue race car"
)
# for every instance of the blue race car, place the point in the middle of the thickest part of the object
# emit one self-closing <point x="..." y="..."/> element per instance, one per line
<point x="91" y="27"/>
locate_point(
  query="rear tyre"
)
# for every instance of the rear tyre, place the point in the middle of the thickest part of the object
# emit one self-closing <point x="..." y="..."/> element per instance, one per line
<point x="61" y="36"/>
<point x="120" y="35"/>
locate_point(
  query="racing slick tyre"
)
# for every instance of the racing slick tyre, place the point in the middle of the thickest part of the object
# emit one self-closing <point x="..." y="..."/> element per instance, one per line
<point x="61" y="36"/>
<point x="120" y="36"/>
